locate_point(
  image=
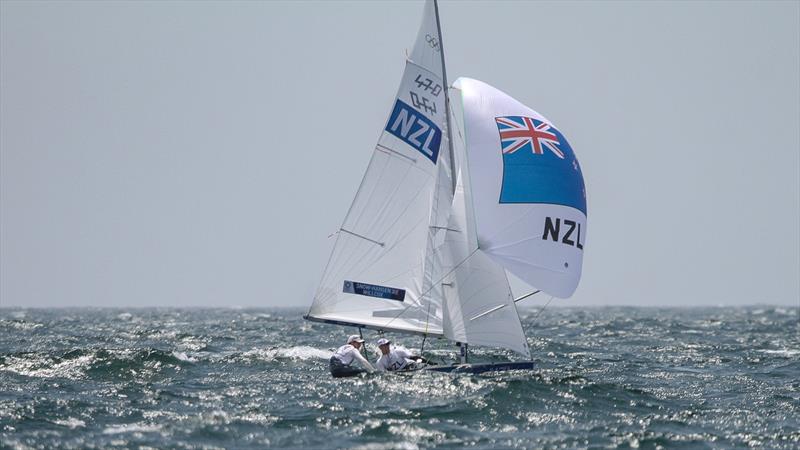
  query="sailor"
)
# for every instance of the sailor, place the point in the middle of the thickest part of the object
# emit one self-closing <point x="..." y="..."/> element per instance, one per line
<point x="396" y="358"/>
<point x="342" y="359"/>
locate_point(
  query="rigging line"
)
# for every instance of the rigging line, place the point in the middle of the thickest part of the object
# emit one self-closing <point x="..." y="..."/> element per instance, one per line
<point x="453" y="112"/>
<point x="429" y="261"/>
<point x="522" y="261"/>
<point x="364" y="344"/>
<point x="427" y="323"/>
<point x="535" y="237"/>
<point x="542" y="310"/>
<point x="446" y="93"/>
<point x="437" y="281"/>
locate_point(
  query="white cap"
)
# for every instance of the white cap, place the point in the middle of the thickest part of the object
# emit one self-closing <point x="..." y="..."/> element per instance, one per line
<point x="383" y="341"/>
<point x="354" y="338"/>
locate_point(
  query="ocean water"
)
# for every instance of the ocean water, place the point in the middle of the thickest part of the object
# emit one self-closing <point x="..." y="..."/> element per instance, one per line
<point x="242" y="378"/>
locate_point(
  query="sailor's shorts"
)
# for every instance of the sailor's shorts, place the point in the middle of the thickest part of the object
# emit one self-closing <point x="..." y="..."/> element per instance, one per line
<point x="341" y="370"/>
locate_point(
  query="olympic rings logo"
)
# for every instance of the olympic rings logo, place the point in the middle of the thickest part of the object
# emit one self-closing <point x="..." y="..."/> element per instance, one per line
<point x="432" y="41"/>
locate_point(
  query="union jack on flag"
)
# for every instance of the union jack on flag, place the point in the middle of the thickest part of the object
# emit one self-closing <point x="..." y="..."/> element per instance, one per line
<point x="518" y="132"/>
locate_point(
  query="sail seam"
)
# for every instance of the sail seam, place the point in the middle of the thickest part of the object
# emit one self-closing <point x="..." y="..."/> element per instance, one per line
<point x="393" y="152"/>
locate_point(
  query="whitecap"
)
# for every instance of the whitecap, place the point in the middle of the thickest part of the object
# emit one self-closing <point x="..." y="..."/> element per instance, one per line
<point x="302" y="352"/>
<point x="70" y="423"/>
<point x="44" y="368"/>
<point x="21" y="325"/>
<point x="183" y="357"/>
<point x="387" y="446"/>
<point x="132" y="428"/>
<point x="782" y="352"/>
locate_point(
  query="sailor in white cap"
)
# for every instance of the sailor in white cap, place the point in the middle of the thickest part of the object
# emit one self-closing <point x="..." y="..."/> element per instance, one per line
<point x="343" y="357"/>
<point x="396" y="358"/>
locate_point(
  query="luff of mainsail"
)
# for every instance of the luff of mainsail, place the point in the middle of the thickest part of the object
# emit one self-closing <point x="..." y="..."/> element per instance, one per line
<point x="379" y="275"/>
<point x="445" y="185"/>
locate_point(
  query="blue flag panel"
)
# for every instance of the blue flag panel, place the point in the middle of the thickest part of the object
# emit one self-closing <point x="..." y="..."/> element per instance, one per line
<point x="539" y="165"/>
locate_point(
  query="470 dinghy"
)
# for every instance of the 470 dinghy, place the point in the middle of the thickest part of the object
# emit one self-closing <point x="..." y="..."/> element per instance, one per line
<point x="456" y="195"/>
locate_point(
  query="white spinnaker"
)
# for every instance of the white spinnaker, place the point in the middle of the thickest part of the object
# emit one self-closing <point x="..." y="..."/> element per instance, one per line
<point x="539" y="242"/>
<point x="386" y="238"/>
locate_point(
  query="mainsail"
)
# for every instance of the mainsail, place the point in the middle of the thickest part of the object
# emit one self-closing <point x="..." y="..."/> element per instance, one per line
<point x="379" y="273"/>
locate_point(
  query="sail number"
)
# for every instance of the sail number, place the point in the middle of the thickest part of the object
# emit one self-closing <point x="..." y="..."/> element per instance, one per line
<point x="571" y="231"/>
<point x="428" y="85"/>
<point x="422" y="103"/>
<point x="425" y="85"/>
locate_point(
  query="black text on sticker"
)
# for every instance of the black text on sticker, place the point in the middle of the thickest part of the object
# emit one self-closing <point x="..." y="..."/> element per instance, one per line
<point x="564" y="231"/>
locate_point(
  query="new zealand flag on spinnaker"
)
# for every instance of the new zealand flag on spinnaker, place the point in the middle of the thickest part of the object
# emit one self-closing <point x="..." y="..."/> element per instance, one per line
<point x="538" y="164"/>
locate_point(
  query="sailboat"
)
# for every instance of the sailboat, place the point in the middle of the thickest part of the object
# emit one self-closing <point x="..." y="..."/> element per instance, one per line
<point x="459" y="192"/>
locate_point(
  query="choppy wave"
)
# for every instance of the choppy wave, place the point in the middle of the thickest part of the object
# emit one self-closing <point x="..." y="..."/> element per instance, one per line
<point x="78" y="364"/>
<point x="611" y="377"/>
<point x="298" y="353"/>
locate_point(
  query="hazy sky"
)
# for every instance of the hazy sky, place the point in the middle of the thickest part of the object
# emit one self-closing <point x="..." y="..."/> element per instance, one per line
<point x="198" y="153"/>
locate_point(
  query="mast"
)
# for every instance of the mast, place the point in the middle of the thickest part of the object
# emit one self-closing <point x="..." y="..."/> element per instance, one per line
<point x="446" y="98"/>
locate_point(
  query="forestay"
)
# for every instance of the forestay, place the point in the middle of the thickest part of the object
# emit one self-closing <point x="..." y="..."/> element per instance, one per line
<point x="379" y="274"/>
